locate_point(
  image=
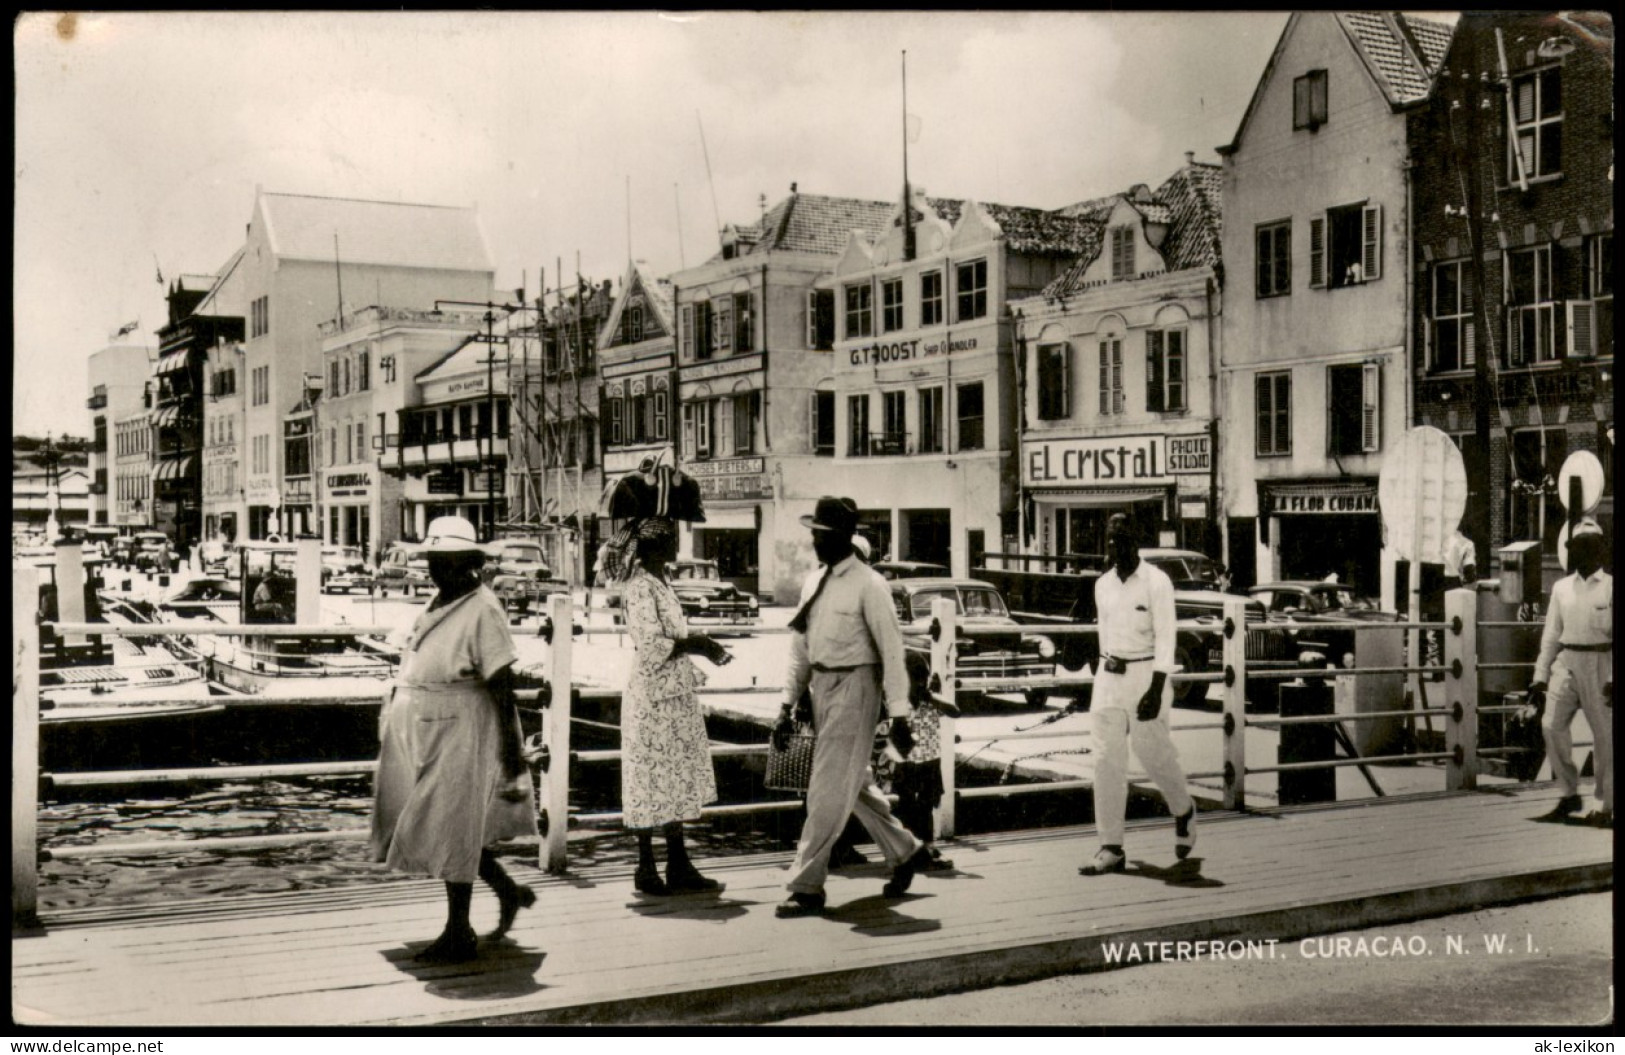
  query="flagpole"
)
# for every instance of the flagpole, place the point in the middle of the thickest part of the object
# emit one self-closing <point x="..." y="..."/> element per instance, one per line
<point x="908" y="208"/>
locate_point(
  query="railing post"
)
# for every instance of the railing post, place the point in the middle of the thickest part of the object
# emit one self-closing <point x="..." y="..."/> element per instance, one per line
<point x="1235" y="705"/>
<point x="945" y="685"/>
<point x="24" y="748"/>
<point x="555" y="804"/>
<point x="1461" y="688"/>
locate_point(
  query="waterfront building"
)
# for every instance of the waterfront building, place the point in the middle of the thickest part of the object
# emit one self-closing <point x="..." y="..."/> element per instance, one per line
<point x="118" y="381"/>
<point x="132" y="465"/>
<point x="637" y="360"/>
<point x="1118" y="374"/>
<point x="31" y="499"/>
<point x="299" y="255"/>
<point x="754" y="385"/>
<point x="1316" y="337"/>
<point x="225" y="509"/>
<point x="921" y="400"/>
<point x="1531" y="331"/>
<point x="371" y="359"/>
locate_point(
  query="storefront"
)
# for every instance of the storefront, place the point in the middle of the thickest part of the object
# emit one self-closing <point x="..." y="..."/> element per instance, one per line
<point x="350" y="498"/>
<point x="1316" y="528"/>
<point x="735" y="491"/>
<point x="1074" y="486"/>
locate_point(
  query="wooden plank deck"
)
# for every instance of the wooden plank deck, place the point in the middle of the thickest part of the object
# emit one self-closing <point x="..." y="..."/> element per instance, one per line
<point x="592" y="951"/>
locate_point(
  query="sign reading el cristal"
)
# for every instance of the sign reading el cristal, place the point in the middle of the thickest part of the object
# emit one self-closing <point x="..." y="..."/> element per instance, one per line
<point x="1103" y="460"/>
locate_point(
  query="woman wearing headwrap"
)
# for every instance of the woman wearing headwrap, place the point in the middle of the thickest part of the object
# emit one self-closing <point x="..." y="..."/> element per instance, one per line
<point x="666" y="773"/>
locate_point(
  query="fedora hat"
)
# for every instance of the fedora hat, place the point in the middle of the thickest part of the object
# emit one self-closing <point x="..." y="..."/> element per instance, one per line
<point x="833" y="514"/>
<point x="451" y="535"/>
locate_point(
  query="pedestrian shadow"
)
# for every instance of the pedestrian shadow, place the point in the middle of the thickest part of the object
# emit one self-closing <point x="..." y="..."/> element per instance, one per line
<point x="1571" y="820"/>
<point x="875" y="917"/>
<point x="1186" y="873"/>
<point x="708" y="908"/>
<point x="501" y="971"/>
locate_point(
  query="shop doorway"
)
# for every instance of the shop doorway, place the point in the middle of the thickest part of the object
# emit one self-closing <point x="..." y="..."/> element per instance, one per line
<point x="1314" y="546"/>
<point x="734" y="550"/>
<point x="928" y="536"/>
<point x="875" y="525"/>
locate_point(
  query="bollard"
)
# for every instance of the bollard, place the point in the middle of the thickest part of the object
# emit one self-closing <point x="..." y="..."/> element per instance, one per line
<point x="1235" y="705"/>
<point x="945" y="614"/>
<point x="1461" y="688"/>
<point x="24" y="748"/>
<point x="555" y="804"/>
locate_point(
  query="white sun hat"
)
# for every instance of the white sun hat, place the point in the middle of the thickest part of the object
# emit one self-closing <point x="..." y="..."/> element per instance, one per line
<point x="452" y="535"/>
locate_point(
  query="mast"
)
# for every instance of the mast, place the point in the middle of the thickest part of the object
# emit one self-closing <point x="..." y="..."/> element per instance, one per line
<point x="908" y="208"/>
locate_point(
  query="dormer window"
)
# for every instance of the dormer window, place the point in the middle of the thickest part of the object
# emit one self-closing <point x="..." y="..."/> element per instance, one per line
<point x="1309" y="100"/>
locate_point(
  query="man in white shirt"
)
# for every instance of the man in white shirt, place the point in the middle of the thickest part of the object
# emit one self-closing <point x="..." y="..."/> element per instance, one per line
<point x="848" y="650"/>
<point x="1460" y="560"/>
<point x="1580" y="626"/>
<point x="1134" y="603"/>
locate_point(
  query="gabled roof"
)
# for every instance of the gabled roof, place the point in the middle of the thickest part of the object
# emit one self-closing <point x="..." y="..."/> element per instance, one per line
<point x="209" y="305"/>
<point x="1401" y="53"/>
<point x="657" y="294"/>
<point x="1029" y="230"/>
<point x="195" y="283"/>
<point x="812" y="223"/>
<point x="467" y="342"/>
<point x="391" y="234"/>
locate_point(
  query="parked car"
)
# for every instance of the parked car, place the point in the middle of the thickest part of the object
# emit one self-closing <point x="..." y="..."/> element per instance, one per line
<point x="708" y="598"/>
<point x="909" y="569"/>
<point x="404" y="569"/>
<point x="1306" y="601"/>
<point x="982" y="657"/>
<point x="1188" y="569"/>
<point x="344" y="568"/>
<point x="102" y="536"/>
<point x="153" y="552"/>
<point x="518" y="556"/>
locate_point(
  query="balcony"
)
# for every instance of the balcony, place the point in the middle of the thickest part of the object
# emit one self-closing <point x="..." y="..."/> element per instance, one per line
<point x="97" y="400"/>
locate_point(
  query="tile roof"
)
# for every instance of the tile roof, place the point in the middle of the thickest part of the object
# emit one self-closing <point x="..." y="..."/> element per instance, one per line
<point x="1405" y="76"/>
<point x="813" y="223"/>
<point x="1028" y="230"/>
<point x="396" y="234"/>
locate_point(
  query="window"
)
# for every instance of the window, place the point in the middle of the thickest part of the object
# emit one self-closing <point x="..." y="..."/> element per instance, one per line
<point x="893" y="409"/>
<point x="969" y="400"/>
<point x="722" y="326"/>
<point x="1165" y="370"/>
<point x="333" y="377"/>
<point x="821" y="319"/>
<point x="1054" y="382"/>
<point x="1533" y="510"/>
<point x="859" y="311"/>
<point x="702" y="329"/>
<point x="891" y="305"/>
<point x="931" y="298"/>
<point x="260" y="382"/>
<point x="346" y="375"/>
<point x="703" y="413"/>
<point x="1453" y="344"/>
<point x="1309" y="100"/>
<point x="360" y="441"/>
<point x="1590" y="323"/>
<point x="660" y="415"/>
<point x="637" y="411"/>
<point x="744" y="323"/>
<point x="1531" y="308"/>
<point x="970" y="289"/>
<point x="1345" y="246"/>
<point x="1537" y="117"/>
<point x="1272" y="394"/>
<point x="823" y="419"/>
<point x="1122" y="252"/>
<point x="632" y="324"/>
<point x="686" y="326"/>
<point x="1111" y="376"/>
<point x="1353" y="408"/>
<point x="744" y="410"/>
<point x="931" y="421"/>
<point x="857" y="426"/>
<point x="465" y="421"/>
<point x="1272" y="248"/>
<point x="349" y="446"/>
<point x="363" y="371"/>
<point x="259" y="316"/>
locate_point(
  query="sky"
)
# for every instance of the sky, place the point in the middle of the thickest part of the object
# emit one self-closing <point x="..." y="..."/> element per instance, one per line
<point x="140" y="137"/>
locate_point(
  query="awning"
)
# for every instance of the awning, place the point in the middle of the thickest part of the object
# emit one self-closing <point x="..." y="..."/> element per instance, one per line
<point x="169" y="363"/>
<point x="1097" y="497"/>
<point x="736" y="519"/>
<point x="173" y="468"/>
<point x="165" y="416"/>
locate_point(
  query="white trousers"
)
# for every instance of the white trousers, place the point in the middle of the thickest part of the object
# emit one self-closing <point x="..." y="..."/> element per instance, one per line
<point x="1577" y="681"/>
<point x="1116" y="698"/>
<point x="846" y="709"/>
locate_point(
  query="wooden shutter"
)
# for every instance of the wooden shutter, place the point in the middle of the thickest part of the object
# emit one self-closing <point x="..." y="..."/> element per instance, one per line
<point x="1582" y="328"/>
<point x="1371" y="408"/>
<point x="1105" y="378"/>
<point x="686" y="327"/>
<point x="812" y="318"/>
<point x="1153" y="370"/>
<point x="1317" y="252"/>
<point x="1371" y="242"/>
<point x="1263" y="443"/>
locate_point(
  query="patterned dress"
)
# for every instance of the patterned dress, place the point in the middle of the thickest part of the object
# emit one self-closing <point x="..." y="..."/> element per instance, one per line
<point x="666" y="772"/>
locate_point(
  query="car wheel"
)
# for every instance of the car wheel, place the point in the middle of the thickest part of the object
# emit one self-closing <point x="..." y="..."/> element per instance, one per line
<point x="1037" y="698"/>
<point x="1189" y="691"/>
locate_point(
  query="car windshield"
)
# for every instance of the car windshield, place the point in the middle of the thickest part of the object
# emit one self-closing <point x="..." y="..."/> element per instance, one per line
<point x="533" y="554"/>
<point x="695" y="572"/>
<point x="969" y="602"/>
<point x="1345" y="599"/>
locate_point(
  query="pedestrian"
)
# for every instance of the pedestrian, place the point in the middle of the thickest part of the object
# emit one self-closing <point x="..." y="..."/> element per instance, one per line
<point x="451" y="780"/>
<point x="1460" y="561"/>
<point x="1134" y="605"/>
<point x="666" y="769"/>
<point x="848" y="649"/>
<point x="1577" y="658"/>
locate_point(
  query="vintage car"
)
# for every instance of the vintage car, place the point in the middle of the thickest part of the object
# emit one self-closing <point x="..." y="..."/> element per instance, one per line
<point x="1188" y="569"/>
<point x="344" y="568"/>
<point x="517" y="556"/>
<point x="403" y="569"/>
<point x="981" y="657"/>
<point x="1306" y="601"/>
<point x="708" y="598"/>
<point x="153" y="552"/>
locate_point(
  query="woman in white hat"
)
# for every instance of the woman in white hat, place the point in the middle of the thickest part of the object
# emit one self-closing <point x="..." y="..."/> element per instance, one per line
<point x="451" y="779"/>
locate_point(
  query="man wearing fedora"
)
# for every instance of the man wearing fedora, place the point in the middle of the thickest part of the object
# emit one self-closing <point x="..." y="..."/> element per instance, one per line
<point x="847" y="648"/>
<point x="1577" y="658"/>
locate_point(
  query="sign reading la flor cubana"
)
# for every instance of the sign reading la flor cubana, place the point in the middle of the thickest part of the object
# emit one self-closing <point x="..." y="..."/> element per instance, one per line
<point x="1113" y="460"/>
